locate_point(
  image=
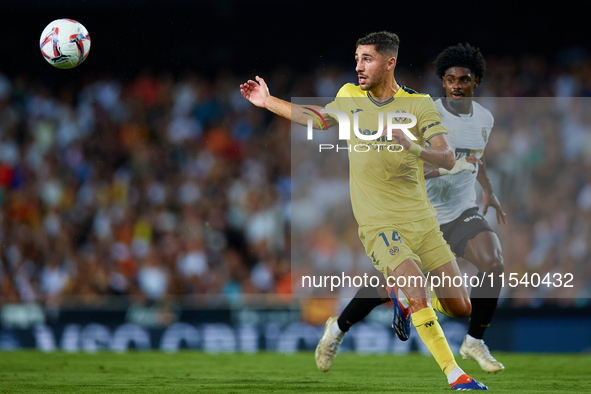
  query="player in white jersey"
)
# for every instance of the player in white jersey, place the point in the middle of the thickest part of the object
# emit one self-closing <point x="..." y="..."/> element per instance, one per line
<point x="451" y="192"/>
<point x="451" y="195"/>
<point x="454" y="196"/>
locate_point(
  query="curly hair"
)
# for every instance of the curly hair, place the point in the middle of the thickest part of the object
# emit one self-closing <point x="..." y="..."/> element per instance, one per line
<point x="461" y="55"/>
<point x="384" y="41"/>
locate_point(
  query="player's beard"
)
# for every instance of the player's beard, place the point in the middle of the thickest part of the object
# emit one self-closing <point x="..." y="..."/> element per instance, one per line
<point x="375" y="81"/>
<point x="372" y="82"/>
<point x="368" y="85"/>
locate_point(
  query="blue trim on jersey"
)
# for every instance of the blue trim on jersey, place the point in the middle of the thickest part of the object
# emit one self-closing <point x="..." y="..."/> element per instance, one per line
<point x="409" y="90"/>
<point x="443" y="132"/>
<point x="377" y="102"/>
<point x="429" y="126"/>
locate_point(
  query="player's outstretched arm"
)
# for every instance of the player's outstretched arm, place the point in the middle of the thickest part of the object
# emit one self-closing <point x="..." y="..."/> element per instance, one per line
<point x="488" y="196"/>
<point x="258" y="94"/>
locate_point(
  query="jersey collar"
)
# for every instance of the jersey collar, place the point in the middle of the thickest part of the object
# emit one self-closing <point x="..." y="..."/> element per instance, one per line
<point x="377" y="102"/>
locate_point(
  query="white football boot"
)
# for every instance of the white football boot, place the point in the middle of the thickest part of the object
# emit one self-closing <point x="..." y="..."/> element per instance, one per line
<point x="482" y="356"/>
<point x="327" y="348"/>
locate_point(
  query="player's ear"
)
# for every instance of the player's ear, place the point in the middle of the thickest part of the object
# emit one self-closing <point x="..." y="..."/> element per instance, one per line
<point x="476" y="82"/>
<point x="391" y="63"/>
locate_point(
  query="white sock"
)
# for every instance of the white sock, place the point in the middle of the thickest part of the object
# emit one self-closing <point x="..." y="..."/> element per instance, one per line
<point x="336" y="331"/>
<point x="402" y="299"/>
<point x="454" y="374"/>
<point x="471" y="341"/>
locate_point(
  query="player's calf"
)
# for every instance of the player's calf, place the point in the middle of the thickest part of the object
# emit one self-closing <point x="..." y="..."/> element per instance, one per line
<point x="493" y="265"/>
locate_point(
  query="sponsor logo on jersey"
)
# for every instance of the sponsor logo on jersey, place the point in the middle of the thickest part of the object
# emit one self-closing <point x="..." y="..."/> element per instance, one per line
<point x="472" y="217"/>
<point x="462" y="152"/>
<point x="484" y="134"/>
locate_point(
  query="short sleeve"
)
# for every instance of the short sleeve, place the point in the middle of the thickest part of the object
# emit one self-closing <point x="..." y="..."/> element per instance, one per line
<point x="335" y="103"/>
<point x="429" y="119"/>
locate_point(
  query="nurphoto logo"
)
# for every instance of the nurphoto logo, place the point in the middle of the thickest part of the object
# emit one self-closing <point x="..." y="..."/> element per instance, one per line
<point x="393" y="121"/>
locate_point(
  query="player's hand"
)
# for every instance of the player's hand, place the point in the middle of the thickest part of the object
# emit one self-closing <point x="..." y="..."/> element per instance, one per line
<point x="254" y="92"/>
<point x="490" y="200"/>
<point x="398" y="137"/>
<point x="474" y="160"/>
<point x="460" y="166"/>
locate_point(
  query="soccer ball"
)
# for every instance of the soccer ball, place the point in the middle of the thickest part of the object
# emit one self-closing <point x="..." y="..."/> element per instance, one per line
<point x="65" y="43"/>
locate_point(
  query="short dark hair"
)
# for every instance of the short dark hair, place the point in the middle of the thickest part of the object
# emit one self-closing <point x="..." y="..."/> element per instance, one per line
<point x="384" y="41"/>
<point x="461" y="55"/>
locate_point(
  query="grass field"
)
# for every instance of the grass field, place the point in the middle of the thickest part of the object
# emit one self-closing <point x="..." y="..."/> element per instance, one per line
<point x="192" y="372"/>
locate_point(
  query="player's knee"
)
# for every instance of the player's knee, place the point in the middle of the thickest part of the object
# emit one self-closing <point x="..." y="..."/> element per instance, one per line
<point x="466" y="308"/>
<point x="460" y="308"/>
<point x="495" y="265"/>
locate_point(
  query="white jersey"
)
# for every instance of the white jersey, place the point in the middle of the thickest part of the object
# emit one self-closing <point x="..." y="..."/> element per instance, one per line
<point x="451" y="195"/>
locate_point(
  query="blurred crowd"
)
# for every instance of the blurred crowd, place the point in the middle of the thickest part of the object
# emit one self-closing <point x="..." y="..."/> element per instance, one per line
<point x="175" y="187"/>
<point x="147" y="189"/>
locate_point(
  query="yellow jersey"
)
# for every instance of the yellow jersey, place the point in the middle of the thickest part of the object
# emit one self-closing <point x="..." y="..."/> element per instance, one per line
<point x="387" y="185"/>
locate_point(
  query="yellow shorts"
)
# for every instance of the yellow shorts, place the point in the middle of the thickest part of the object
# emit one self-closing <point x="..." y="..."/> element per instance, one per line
<point x="389" y="246"/>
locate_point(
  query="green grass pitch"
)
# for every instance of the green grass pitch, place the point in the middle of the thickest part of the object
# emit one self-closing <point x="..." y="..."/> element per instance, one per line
<point x="197" y="372"/>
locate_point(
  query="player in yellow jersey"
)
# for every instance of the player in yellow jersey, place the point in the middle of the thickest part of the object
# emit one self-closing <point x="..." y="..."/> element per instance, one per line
<point x="461" y="68"/>
<point x="397" y="224"/>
